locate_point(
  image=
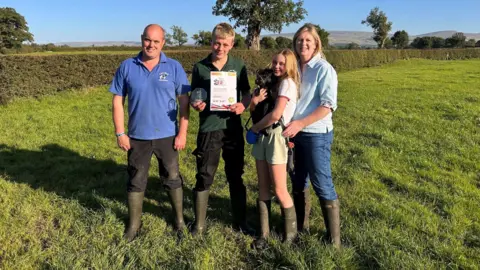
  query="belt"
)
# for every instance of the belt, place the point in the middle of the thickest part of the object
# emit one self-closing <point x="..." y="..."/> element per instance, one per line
<point x="268" y="130"/>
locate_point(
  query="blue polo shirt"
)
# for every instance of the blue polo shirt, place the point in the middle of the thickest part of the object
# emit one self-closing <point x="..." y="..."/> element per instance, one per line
<point x="152" y="96"/>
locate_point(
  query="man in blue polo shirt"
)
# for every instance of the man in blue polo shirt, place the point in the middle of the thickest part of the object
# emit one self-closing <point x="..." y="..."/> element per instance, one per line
<point x="151" y="82"/>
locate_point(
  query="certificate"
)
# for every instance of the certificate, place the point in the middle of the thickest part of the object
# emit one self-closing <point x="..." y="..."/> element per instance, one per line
<point x="223" y="90"/>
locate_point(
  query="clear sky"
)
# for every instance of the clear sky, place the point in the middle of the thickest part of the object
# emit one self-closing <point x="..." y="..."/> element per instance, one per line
<point x="123" y="20"/>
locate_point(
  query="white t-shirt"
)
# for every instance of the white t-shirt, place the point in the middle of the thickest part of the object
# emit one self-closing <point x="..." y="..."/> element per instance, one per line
<point x="288" y="89"/>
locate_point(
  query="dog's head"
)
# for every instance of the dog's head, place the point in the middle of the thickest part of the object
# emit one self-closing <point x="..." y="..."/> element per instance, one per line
<point x="265" y="79"/>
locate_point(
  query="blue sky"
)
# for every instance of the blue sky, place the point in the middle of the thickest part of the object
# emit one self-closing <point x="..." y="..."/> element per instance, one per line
<point x="122" y="20"/>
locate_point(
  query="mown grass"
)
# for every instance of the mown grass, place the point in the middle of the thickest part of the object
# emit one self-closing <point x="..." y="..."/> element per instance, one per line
<point x="406" y="164"/>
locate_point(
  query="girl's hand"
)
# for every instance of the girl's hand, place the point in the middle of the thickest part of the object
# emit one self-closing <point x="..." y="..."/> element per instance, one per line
<point x="262" y="95"/>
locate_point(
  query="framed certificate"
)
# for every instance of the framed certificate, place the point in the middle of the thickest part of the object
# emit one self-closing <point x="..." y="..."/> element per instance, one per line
<point x="223" y="90"/>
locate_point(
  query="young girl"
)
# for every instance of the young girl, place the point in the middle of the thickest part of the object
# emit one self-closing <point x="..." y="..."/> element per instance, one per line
<point x="271" y="150"/>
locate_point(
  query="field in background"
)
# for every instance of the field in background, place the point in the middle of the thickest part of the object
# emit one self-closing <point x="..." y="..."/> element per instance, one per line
<point x="406" y="163"/>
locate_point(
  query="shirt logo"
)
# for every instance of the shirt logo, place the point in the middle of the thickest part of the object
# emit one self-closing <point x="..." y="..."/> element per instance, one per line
<point x="163" y="77"/>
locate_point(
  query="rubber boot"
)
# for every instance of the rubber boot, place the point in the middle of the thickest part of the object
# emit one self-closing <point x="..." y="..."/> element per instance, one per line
<point x="331" y="217"/>
<point x="303" y="206"/>
<point x="135" y="203"/>
<point x="200" y="204"/>
<point x="176" y="199"/>
<point x="238" y="198"/>
<point x="290" y="224"/>
<point x="264" y="209"/>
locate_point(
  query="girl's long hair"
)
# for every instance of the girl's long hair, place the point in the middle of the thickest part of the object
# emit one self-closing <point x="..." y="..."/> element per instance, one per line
<point x="291" y="68"/>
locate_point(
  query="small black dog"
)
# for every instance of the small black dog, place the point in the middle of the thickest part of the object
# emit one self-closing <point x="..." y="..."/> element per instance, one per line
<point x="265" y="79"/>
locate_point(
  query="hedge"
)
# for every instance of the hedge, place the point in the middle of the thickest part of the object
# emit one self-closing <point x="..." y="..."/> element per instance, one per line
<point x="24" y="75"/>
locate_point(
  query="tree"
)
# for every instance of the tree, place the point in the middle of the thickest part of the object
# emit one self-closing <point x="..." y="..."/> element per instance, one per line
<point x="323" y="35"/>
<point x="168" y="39"/>
<point x="470" y="43"/>
<point x="268" y="43"/>
<point x="255" y="15"/>
<point x="422" y="42"/>
<point x="239" y="42"/>
<point x="438" y="42"/>
<point x="477" y="44"/>
<point x="203" y="38"/>
<point x="400" y="39"/>
<point x="352" y="46"/>
<point x="284" y="42"/>
<point x="380" y="25"/>
<point x="13" y="29"/>
<point x="457" y="40"/>
<point x="388" y="44"/>
<point x="179" y="37"/>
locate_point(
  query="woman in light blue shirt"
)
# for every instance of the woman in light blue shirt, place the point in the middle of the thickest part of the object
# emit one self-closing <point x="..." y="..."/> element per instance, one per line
<point x="312" y="129"/>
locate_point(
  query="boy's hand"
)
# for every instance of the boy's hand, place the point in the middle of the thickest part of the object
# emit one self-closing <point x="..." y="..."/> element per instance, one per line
<point x="180" y="142"/>
<point x="199" y="106"/>
<point x="237" y="108"/>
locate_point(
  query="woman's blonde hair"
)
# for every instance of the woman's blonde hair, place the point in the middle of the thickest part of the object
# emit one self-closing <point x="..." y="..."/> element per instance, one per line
<point x="310" y="28"/>
<point x="291" y="68"/>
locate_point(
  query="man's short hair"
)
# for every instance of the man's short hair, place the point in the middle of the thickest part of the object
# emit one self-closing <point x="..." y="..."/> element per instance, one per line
<point x="223" y="30"/>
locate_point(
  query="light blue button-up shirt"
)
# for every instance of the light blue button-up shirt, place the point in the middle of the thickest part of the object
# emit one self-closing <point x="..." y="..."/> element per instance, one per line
<point x="318" y="88"/>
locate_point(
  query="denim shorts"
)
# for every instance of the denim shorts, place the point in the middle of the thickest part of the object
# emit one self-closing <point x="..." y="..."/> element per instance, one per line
<point x="312" y="161"/>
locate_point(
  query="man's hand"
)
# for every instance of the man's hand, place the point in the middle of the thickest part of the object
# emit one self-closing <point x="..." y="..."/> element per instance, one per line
<point x="180" y="141"/>
<point x="293" y="128"/>
<point x="237" y="108"/>
<point x="123" y="142"/>
<point x="199" y="106"/>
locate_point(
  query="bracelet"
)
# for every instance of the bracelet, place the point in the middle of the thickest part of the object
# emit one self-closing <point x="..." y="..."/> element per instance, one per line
<point x="119" y="134"/>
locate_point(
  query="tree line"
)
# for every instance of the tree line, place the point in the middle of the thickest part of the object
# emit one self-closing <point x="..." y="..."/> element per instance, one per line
<point x="251" y="17"/>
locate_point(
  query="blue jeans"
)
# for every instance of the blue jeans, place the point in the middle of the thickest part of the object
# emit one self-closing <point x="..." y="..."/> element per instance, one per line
<point x="312" y="161"/>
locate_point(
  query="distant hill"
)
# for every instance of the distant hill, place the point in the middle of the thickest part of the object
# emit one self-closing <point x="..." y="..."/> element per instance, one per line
<point x="99" y="43"/>
<point x="365" y="38"/>
<point x="335" y="38"/>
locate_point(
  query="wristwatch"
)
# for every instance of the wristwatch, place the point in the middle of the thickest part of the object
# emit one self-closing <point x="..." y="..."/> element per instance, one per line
<point x="119" y="134"/>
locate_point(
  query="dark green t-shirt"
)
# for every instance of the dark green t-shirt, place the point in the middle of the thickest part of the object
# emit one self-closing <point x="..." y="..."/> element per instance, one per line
<point x="211" y="121"/>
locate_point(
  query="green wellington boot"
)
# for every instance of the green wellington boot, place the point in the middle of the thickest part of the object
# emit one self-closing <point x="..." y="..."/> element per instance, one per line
<point x="135" y="203"/>
<point x="290" y="224"/>
<point x="201" y="203"/>
<point x="264" y="209"/>
<point x="331" y="217"/>
<point x="176" y="199"/>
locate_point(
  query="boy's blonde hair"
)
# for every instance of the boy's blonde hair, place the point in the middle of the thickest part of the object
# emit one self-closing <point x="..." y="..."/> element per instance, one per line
<point x="223" y="30"/>
<point x="291" y="68"/>
<point x="310" y="28"/>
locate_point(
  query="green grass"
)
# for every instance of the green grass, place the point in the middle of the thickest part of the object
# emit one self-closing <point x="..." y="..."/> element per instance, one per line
<point x="406" y="164"/>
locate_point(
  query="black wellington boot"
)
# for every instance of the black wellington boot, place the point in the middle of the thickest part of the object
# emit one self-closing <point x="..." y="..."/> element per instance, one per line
<point x="238" y="198"/>
<point x="303" y="206"/>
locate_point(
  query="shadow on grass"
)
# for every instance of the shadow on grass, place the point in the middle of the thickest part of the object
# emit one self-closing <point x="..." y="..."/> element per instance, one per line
<point x="91" y="181"/>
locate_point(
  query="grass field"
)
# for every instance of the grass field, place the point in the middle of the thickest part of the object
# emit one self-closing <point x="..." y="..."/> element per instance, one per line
<point x="406" y="164"/>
